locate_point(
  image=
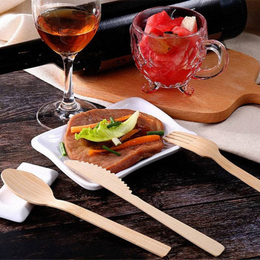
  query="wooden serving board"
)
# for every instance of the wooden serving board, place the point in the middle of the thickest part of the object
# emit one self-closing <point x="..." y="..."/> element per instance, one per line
<point x="213" y="99"/>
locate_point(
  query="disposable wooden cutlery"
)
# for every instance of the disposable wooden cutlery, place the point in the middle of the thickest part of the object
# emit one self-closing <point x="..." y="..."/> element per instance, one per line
<point x="207" y="148"/>
<point x="34" y="190"/>
<point x="111" y="182"/>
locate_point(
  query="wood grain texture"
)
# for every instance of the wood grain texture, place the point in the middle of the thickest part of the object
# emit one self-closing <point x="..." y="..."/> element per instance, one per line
<point x="213" y="100"/>
<point x="184" y="185"/>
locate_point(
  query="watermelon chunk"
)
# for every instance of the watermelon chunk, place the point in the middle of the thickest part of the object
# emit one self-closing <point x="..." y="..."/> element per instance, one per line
<point x="181" y="31"/>
<point x="162" y="22"/>
<point x="156" y="32"/>
<point x="158" y="45"/>
<point x="176" y="22"/>
<point x="190" y="23"/>
<point x="158" y="21"/>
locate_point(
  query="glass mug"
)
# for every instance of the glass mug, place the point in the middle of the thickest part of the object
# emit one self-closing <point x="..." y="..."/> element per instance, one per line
<point x="169" y="60"/>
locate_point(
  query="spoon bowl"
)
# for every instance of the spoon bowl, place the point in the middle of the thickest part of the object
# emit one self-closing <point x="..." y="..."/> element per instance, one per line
<point x="28" y="186"/>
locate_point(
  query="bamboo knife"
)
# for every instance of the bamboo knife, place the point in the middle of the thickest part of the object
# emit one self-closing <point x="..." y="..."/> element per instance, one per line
<point x="111" y="182"/>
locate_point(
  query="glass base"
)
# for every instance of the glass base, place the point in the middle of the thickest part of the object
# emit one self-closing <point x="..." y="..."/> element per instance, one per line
<point x="151" y="87"/>
<point x="52" y="114"/>
<point x="186" y="89"/>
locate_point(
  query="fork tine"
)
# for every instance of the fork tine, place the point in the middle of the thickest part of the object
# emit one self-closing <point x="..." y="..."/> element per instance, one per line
<point x="181" y="136"/>
<point x="186" y="135"/>
<point x="181" y="143"/>
<point x="171" y="140"/>
<point x="185" y="140"/>
<point x="192" y="137"/>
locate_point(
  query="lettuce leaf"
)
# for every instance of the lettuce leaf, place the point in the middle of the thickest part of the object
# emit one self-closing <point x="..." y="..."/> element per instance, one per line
<point x="101" y="133"/>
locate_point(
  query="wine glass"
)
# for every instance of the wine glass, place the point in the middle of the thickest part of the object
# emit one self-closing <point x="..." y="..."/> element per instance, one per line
<point x="66" y="26"/>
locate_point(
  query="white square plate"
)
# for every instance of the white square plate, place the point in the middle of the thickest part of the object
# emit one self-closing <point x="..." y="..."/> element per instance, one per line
<point x="48" y="142"/>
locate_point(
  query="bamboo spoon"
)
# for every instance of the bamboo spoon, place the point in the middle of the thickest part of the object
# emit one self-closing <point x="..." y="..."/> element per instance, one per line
<point x="34" y="190"/>
<point x="111" y="182"/>
<point x="207" y="148"/>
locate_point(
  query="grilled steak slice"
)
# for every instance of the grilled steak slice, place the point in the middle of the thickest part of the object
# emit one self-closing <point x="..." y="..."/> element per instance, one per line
<point x="78" y="149"/>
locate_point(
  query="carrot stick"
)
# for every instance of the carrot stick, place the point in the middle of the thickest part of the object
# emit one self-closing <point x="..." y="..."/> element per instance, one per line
<point x="132" y="142"/>
<point x="129" y="134"/>
<point x="77" y="129"/>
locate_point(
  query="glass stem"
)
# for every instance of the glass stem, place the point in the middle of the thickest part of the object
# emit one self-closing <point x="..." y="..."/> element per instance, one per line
<point x="68" y="103"/>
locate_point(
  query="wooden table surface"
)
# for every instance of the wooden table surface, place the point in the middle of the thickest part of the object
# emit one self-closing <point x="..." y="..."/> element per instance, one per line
<point x="186" y="186"/>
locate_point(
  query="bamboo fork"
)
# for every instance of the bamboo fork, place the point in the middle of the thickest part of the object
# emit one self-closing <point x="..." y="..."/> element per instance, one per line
<point x="207" y="148"/>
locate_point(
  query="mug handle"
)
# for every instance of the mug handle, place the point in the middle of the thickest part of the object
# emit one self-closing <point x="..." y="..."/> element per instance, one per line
<point x="220" y="50"/>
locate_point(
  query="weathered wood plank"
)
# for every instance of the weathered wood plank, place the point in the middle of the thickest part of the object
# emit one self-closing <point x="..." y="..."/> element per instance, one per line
<point x="188" y="187"/>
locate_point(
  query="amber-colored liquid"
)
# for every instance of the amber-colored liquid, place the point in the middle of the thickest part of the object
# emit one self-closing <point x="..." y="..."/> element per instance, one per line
<point x="67" y="30"/>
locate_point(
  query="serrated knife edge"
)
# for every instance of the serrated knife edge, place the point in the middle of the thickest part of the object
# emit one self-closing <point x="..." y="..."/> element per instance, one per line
<point x="99" y="175"/>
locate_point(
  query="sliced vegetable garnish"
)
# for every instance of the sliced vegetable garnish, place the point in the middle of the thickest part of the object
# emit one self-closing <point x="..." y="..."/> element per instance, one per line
<point x="115" y="123"/>
<point x="110" y="150"/>
<point x="77" y="129"/>
<point x="102" y="133"/>
<point x="161" y="133"/>
<point x="129" y="134"/>
<point x="116" y="141"/>
<point x="132" y="142"/>
<point x="97" y="125"/>
<point x="62" y="149"/>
